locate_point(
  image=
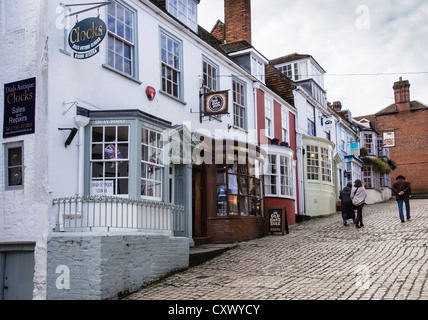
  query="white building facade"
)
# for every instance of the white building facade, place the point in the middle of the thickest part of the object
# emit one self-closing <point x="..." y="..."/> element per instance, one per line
<point x="101" y="157"/>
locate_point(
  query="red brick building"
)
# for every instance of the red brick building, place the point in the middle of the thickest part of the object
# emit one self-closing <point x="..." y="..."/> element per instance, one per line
<point x="408" y="120"/>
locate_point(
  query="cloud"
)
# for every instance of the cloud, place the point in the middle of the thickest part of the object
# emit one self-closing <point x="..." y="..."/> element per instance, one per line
<point x="383" y="36"/>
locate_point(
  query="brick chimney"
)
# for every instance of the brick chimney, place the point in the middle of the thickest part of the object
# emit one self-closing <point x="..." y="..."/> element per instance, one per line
<point x="402" y="95"/>
<point x="237" y="16"/>
<point x="337" y="106"/>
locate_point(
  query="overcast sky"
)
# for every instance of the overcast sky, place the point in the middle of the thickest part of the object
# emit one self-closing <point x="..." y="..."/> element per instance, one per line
<point x="347" y="38"/>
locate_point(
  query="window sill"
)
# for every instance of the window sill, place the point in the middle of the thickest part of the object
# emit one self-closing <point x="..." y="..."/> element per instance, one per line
<point x="172" y="97"/>
<point x="121" y="73"/>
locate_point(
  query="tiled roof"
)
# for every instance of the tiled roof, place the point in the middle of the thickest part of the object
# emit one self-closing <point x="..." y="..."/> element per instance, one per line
<point x="414" y="105"/>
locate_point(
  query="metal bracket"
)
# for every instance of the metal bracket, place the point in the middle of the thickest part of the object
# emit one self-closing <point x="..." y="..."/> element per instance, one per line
<point x="95" y="5"/>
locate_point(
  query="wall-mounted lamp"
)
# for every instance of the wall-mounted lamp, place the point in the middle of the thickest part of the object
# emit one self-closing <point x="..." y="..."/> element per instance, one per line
<point x="71" y="136"/>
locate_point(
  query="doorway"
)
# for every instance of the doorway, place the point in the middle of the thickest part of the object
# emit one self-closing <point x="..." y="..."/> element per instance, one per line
<point x="16" y="272"/>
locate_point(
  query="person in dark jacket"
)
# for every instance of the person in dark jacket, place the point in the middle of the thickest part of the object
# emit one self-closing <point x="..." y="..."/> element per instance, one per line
<point x="402" y="189"/>
<point x="347" y="206"/>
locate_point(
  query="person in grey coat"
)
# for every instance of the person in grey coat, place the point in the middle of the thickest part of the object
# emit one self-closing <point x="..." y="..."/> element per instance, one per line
<point x="347" y="206"/>
<point x="358" y="196"/>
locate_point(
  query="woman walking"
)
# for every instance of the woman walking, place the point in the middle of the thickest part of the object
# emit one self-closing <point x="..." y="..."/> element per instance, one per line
<point x="347" y="206"/>
<point x="358" y="196"/>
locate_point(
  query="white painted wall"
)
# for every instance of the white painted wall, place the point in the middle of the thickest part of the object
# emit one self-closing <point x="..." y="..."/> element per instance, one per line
<point x="24" y="213"/>
<point x="30" y="47"/>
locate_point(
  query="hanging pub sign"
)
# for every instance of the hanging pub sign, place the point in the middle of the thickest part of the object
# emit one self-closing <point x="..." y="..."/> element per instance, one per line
<point x="389" y="139"/>
<point x="216" y="103"/>
<point x="86" y="37"/>
<point x="19" y="108"/>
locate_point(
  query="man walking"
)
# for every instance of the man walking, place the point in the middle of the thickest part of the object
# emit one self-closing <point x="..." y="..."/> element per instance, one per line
<point x="402" y="191"/>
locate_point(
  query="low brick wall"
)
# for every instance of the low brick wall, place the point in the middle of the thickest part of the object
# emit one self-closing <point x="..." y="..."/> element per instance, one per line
<point x="96" y="266"/>
<point x="235" y="228"/>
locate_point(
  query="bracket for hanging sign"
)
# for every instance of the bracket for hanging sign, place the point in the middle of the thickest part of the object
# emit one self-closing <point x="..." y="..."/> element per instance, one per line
<point x="96" y="5"/>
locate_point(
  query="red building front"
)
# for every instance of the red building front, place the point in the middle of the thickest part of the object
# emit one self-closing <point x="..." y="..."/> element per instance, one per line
<point x="276" y="119"/>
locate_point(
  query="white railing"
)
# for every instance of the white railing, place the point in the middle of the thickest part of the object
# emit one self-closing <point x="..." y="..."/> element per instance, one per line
<point x="93" y="213"/>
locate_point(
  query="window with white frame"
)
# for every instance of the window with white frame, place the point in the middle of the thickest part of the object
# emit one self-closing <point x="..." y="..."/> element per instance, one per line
<point x="301" y="70"/>
<point x="287" y="70"/>
<point x="279" y="177"/>
<point x="239" y="104"/>
<point x="310" y="113"/>
<point x="151" y="164"/>
<point x="326" y="165"/>
<point x="121" y="22"/>
<point x="186" y="11"/>
<point x="258" y="69"/>
<point x="171" y="65"/>
<point x="269" y="131"/>
<point x="368" y="142"/>
<point x="109" y="160"/>
<point x="312" y="162"/>
<point x="210" y="74"/>
<point x="14" y="166"/>
<point x="343" y="139"/>
<point x="371" y="177"/>
<point x="284" y="122"/>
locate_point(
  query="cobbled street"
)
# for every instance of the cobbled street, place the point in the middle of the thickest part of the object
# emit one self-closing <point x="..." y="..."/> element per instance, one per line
<point x="319" y="259"/>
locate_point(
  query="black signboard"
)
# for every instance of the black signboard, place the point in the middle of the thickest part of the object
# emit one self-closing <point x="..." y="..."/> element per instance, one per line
<point x="277" y="220"/>
<point x="19" y="108"/>
<point x="86" y="36"/>
<point x="216" y="103"/>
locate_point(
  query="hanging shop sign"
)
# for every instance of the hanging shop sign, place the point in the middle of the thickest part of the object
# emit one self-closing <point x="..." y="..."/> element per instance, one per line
<point x="216" y="103"/>
<point x="389" y="139"/>
<point x="86" y="37"/>
<point x="19" y="108"/>
<point x="355" y="148"/>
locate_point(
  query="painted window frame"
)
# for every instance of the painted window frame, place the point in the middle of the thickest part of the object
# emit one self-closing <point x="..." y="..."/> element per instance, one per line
<point x="179" y="95"/>
<point x="239" y="100"/>
<point x="279" y="176"/>
<point x="310" y="115"/>
<point x="152" y="166"/>
<point x="134" y="74"/>
<point x="116" y="161"/>
<point x="189" y="16"/>
<point x="269" y="123"/>
<point x="135" y="155"/>
<point x="285" y="124"/>
<point x="8" y="166"/>
<point x="313" y="162"/>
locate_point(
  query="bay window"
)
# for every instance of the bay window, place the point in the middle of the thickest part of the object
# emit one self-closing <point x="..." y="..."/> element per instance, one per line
<point x="239" y="189"/>
<point x="126" y="159"/>
<point x="110" y="160"/>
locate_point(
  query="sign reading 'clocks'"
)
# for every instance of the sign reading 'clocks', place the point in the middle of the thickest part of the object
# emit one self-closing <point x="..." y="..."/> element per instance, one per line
<point x="86" y="36"/>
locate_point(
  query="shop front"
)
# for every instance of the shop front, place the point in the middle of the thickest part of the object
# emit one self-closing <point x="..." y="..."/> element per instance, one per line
<point x="228" y="194"/>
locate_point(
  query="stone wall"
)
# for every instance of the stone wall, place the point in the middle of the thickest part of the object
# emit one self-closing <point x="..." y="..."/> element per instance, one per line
<point x="94" y="266"/>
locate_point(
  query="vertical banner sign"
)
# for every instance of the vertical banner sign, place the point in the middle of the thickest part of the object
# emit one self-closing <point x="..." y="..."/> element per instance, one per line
<point x="86" y="37"/>
<point x="19" y="108"/>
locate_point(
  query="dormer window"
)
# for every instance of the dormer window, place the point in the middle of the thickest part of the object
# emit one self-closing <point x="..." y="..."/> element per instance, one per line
<point x="186" y="11"/>
<point x="258" y="69"/>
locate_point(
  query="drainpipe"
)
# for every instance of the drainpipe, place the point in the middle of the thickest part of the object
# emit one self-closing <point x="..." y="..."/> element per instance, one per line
<point x="81" y="122"/>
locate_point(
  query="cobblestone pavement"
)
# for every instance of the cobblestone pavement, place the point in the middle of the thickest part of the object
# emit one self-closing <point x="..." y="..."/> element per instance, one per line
<point x="319" y="259"/>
